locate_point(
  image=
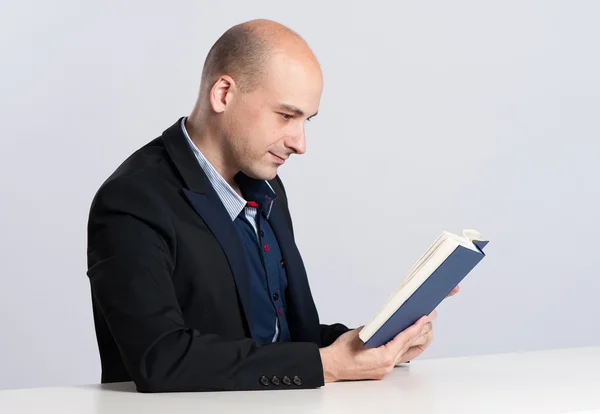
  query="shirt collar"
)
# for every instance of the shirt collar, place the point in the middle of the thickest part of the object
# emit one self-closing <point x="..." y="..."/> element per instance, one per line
<point x="259" y="191"/>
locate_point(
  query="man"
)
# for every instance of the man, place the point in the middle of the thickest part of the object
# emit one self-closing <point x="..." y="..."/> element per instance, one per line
<point x="196" y="280"/>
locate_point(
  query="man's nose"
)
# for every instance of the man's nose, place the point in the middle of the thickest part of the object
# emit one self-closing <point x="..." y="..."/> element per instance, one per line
<point x="297" y="143"/>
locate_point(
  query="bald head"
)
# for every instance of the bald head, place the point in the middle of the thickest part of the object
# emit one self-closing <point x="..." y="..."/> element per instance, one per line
<point x="245" y="51"/>
<point x="261" y="83"/>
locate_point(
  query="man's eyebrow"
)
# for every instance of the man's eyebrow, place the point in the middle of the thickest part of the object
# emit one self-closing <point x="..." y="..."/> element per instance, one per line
<point x="294" y="109"/>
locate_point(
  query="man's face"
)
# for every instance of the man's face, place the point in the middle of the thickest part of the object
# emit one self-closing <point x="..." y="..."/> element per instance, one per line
<point x="265" y="126"/>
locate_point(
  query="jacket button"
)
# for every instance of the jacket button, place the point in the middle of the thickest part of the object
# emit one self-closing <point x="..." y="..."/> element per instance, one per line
<point x="275" y="381"/>
<point x="287" y="381"/>
<point x="264" y="381"/>
<point x="262" y="233"/>
<point x="297" y="381"/>
<point x="276" y="296"/>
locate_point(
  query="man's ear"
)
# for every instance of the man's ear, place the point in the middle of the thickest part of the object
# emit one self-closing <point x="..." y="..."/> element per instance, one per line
<point x="222" y="93"/>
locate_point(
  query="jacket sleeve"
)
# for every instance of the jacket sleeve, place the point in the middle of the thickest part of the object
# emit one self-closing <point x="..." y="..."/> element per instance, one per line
<point x="131" y="246"/>
<point x="329" y="333"/>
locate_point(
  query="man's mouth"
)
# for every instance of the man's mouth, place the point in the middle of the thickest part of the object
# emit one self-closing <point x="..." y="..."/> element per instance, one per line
<point x="278" y="159"/>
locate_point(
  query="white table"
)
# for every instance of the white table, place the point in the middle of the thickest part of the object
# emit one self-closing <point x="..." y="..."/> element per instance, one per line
<point x="554" y="381"/>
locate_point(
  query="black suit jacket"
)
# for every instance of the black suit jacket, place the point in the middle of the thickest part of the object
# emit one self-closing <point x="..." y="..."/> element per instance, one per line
<point x="170" y="290"/>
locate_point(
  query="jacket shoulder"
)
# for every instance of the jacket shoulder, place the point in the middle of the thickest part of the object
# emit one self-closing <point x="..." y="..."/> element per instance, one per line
<point x="282" y="200"/>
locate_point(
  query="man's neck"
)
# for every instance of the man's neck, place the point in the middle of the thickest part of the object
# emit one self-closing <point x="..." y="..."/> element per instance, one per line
<point x="208" y="145"/>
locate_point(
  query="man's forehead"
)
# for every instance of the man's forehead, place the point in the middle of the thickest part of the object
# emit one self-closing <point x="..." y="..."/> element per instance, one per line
<point x="288" y="67"/>
<point x="294" y="87"/>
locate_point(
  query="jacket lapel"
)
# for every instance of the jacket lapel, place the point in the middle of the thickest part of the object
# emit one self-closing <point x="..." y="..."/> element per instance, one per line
<point x="209" y="207"/>
<point x="303" y="319"/>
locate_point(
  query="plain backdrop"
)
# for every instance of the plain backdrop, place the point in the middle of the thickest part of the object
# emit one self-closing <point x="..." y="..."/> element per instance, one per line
<point x="435" y="116"/>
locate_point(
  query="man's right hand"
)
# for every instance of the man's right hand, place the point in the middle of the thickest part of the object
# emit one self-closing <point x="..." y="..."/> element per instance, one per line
<point x="348" y="359"/>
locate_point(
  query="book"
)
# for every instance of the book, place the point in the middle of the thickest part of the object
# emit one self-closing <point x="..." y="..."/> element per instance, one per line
<point x="432" y="277"/>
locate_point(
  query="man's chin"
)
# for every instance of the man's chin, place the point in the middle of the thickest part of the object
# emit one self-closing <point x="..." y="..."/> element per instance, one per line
<point x="269" y="176"/>
<point x="262" y="174"/>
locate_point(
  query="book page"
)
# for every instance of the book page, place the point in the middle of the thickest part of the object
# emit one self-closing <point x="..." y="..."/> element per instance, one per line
<point x="463" y="241"/>
<point x="471" y="235"/>
<point x="417" y="266"/>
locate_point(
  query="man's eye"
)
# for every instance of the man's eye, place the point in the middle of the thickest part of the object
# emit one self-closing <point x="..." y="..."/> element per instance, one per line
<point x="286" y="116"/>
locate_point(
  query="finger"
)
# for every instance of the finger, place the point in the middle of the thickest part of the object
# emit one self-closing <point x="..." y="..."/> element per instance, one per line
<point x="413" y="352"/>
<point x="418" y="346"/>
<point x="418" y="341"/>
<point x="453" y="291"/>
<point x="407" y="336"/>
<point x="425" y="334"/>
<point x="427" y="328"/>
<point x="421" y="340"/>
<point x="432" y="315"/>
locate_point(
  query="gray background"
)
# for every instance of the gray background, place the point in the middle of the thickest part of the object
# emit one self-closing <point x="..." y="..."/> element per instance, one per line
<point x="435" y="116"/>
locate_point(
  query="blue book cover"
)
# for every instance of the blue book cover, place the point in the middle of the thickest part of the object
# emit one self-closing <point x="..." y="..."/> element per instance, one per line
<point x="431" y="293"/>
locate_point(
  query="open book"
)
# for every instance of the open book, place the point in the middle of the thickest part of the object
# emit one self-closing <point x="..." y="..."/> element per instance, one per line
<point x="447" y="261"/>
